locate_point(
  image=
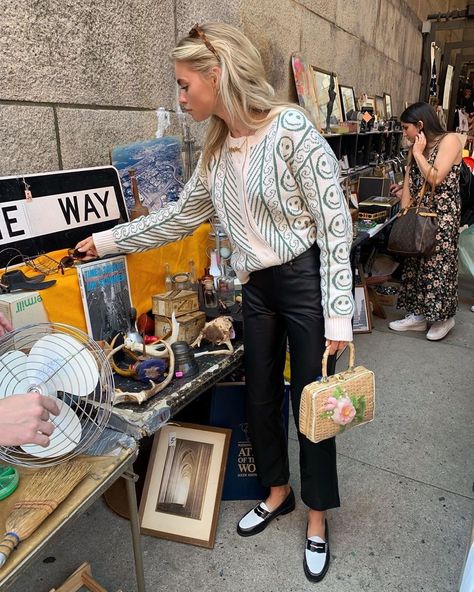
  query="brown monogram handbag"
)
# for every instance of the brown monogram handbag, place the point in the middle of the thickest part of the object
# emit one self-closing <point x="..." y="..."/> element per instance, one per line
<point x="413" y="233"/>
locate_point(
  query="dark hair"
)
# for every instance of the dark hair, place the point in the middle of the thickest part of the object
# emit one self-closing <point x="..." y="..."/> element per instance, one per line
<point x="427" y="115"/>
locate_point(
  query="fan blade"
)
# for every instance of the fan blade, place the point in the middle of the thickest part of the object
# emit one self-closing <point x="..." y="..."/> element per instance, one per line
<point x="61" y="363"/>
<point x="13" y="374"/>
<point x="64" y="439"/>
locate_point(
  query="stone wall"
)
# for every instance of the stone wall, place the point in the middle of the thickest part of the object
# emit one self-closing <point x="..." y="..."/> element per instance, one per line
<point x="78" y="78"/>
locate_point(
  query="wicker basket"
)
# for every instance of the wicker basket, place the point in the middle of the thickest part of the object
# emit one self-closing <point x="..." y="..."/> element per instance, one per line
<point x="336" y="403"/>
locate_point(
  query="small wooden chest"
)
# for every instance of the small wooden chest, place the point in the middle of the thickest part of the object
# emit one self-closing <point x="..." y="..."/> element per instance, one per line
<point x="179" y="302"/>
<point x="190" y="326"/>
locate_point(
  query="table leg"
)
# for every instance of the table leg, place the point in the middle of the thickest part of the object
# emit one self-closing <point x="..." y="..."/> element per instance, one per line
<point x="130" y="479"/>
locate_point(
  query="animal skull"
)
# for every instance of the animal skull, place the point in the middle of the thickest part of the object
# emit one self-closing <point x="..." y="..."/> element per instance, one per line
<point x="219" y="331"/>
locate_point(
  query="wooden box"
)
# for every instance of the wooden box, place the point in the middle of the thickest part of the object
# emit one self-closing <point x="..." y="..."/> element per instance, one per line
<point x="389" y="204"/>
<point x="190" y="326"/>
<point x="179" y="302"/>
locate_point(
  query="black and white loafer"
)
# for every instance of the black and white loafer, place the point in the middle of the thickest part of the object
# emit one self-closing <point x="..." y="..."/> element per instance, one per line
<point x="316" y="557"/>
<point x="259" y="517"/>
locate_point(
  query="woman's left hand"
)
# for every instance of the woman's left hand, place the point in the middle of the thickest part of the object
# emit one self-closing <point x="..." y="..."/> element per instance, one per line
<point x="5" y="325"/>
<point x="335" y="346"/>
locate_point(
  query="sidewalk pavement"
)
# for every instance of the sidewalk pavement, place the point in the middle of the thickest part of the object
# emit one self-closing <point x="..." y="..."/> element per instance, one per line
<point x="406" y="485"/>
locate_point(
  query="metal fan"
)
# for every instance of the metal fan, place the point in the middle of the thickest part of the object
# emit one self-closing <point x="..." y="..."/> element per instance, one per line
<point x="61" y="362"/>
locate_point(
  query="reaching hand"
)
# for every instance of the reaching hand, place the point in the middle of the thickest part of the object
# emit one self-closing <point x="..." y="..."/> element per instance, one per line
<point x="87" y="246"/>
<point x="24" y="419"/>
<point x="5" y="325"/>
<point x="396" y="190"/>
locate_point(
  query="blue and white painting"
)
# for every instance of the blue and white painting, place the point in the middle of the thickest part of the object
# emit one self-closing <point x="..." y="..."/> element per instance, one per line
<point x="159" y="170"/>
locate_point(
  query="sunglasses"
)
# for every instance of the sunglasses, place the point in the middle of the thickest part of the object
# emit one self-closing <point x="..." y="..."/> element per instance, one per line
<point x="47" y="265"/>
<point x="43" y="263"/>
<point x="197" y="33"/>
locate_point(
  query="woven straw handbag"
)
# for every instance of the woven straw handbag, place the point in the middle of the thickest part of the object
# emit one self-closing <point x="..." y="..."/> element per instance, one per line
<point x="336" y="403"/>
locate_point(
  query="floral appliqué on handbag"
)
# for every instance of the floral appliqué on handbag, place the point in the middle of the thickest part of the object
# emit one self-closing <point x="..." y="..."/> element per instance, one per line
<point x="343" y="408"/>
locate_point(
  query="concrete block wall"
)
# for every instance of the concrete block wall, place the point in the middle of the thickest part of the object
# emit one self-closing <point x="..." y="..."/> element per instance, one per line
<point x="78" y="78"/>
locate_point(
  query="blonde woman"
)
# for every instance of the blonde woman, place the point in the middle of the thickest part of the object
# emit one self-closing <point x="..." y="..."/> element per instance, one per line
<point x="273" y="182"/>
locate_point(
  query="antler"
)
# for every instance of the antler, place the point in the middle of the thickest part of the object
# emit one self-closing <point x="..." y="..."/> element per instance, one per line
<point x="145" y="394"/>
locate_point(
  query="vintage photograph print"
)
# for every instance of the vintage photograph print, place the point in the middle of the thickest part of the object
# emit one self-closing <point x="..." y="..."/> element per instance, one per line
<point x="183" y="485"/>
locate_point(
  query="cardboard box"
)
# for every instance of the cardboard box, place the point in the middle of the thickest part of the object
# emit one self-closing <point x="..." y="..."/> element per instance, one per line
<point x="190" y="326"/>
<point x="179" y="302"/>
<point x="387" y="299"/>
<point x="23" y="308"/>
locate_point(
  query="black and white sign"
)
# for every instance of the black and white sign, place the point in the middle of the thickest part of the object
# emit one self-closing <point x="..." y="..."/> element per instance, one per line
<point x="49" y="211"/>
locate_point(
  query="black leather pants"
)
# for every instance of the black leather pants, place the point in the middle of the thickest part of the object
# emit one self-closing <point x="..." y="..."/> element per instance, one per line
<point x="280" y="302"/>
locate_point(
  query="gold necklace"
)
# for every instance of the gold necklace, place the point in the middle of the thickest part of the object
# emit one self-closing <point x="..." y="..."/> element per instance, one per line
<point x="238" y="148"/>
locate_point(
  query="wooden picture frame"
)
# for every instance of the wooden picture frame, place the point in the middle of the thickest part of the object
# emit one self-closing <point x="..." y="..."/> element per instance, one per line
<point x="362" y="322"/>
<point x="348" y="100"/>
<point x="183" y="485"/>
<point x="388" y="105"/>
<point x="380" y="107"/>
<point x="322" y="81"/>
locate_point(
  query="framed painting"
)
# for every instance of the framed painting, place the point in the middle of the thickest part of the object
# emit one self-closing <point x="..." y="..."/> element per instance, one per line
<point x="348" y="102"/>
<point x="327" y="96"/>
<point x="369" y="102"/>
<point x="388" y="105"/>
<point x="305" y="89"/>
<point x="362" y="322"/>
<point x="380" y="107"/>
<point x="183" y="485"/>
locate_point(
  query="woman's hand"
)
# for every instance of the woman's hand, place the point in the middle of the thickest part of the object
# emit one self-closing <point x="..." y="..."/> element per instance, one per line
<point x="396" y="190"/>
<point x="87" y="246"/>
<point x="419" y="144"/>
<point x="5" y="325"/>
<point x="335" y="346"/>
<point x="25" y="419"/>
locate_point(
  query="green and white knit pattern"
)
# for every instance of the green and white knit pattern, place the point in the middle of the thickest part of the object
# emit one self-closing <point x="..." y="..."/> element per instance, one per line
<point x="293" y="197"/>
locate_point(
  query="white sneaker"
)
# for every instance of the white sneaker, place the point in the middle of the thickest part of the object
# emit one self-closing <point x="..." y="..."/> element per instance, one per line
<point x="440" y="329"/>
<point x="409" y="323"/>
<point x="472" y="308"/>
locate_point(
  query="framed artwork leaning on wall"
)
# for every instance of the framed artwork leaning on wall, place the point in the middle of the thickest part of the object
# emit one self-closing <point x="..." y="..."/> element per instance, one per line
<point x="380" y="107"/>
<point x="388" y="105"/>
<point x="362" y="322"/>
<point x="348" y="102"/>
<point x="183" y="485"/>
<point x="327" y="96"/>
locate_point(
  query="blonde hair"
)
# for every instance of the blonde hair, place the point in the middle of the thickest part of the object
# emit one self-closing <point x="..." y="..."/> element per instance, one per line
<point x="243" y="87"/>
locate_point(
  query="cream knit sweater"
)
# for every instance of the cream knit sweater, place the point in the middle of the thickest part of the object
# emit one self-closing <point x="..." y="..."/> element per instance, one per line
<point x="275" y="194"/>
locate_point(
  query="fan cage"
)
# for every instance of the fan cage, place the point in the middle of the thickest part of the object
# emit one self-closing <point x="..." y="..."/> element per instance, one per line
<point x="69" y="360"/>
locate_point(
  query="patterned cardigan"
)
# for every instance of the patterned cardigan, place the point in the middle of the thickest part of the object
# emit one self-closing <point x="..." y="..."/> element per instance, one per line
<point x="273" y="202"/>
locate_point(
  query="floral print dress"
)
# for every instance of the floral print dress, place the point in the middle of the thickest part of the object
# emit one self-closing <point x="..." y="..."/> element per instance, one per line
<point x="430" y="286"/>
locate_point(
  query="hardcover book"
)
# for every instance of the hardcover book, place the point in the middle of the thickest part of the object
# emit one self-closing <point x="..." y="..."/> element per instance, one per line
<point x="105" y="292"/>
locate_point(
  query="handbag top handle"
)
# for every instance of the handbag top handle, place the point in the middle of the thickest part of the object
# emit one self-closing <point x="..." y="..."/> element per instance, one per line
<point x="420" y="196"/>
<point x="326" y="356"/>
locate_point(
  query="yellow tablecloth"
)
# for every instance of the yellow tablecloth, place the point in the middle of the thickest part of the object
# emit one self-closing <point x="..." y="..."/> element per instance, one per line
<point x="146" y="274"/>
